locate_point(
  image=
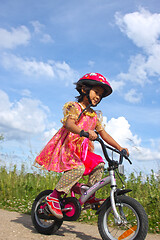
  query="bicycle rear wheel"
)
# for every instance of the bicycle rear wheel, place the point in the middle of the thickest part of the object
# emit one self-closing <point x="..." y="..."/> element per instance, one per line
<point x="44" y="224"/>
<point x="134" y="224"/>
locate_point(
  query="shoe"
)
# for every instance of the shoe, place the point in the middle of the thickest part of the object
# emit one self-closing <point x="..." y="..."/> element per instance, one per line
<point x="54" y="207"/>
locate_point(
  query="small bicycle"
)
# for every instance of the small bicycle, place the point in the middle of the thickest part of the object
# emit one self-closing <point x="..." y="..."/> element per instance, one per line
<point x="119" y="216"/>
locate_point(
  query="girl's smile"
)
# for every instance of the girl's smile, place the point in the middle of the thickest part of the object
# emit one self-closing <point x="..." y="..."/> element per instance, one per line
<point x="95" y="94"/>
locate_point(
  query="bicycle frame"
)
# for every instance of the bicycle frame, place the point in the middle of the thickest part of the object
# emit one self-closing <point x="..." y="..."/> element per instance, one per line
<point x="105" y="181"/>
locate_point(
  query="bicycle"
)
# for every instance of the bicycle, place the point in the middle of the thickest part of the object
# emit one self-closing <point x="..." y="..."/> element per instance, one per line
<point x="119" y="216"/>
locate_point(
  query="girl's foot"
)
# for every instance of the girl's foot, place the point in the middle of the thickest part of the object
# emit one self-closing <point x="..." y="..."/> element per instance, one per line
<point x="54" y="206"/>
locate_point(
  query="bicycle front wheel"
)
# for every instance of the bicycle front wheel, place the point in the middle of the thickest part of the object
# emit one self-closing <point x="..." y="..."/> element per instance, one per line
<point x="134" y="224"/>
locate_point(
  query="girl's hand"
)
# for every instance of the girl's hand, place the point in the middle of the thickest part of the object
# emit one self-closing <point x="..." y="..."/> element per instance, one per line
<point x="92" y="135"/>
<point x="125" y="149"/>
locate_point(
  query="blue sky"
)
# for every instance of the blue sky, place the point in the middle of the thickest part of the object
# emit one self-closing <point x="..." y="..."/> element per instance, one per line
<point x="46" y="46"/>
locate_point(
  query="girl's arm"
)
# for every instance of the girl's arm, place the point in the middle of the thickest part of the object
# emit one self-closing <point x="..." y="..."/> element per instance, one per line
<point x="72" y="127"/>
<point x="108" y="139"/>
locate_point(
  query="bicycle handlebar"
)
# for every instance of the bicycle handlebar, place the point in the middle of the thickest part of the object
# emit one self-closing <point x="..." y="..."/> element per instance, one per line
<point x="123" y="153"/>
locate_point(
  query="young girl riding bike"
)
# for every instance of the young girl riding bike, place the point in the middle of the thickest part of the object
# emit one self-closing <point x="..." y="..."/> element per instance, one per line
<point x="68" y="151"/>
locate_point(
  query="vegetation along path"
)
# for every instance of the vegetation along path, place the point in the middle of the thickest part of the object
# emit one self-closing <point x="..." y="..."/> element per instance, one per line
<point x="18" y="226"/>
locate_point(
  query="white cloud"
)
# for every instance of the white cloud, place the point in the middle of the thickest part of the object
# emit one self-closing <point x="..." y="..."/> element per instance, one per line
<point x="5" y="104"/>
<point x="91" y="63"/>
<point x="146" y="154"/>
<point x="136" y="73"/>
<point x="22" y="118"/>
<point x="30" y="67"/>
<point x="149" y="155"/>
<point x="64" y="72"/>
<point x="49" y="134"/>
<point x="133" y="97"/>
<point x="119" y="129"/>
<point x="143" y="28"/>
<point x="46" y="38"/>
<point x="26" y="93"/>
<point x="15" y="37"/>
<point x="153" y="61"/>
<point x="38" y="29"/>
<point x="117" y="85"/>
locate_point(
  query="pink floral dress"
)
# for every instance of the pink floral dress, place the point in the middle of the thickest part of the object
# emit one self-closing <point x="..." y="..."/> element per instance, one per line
<point x="67" y="150"/>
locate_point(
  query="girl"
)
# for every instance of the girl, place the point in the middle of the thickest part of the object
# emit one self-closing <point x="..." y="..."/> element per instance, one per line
<point x="68" y="151"/>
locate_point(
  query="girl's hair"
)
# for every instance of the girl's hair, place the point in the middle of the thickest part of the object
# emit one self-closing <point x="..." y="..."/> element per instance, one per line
<point x="86" y="89"/>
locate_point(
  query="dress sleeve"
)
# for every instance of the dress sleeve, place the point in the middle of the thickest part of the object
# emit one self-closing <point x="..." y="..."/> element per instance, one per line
<point x="100" y="125"/>
<point x="70" y="110"/>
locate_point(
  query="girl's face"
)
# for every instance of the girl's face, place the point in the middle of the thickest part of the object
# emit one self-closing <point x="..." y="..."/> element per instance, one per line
<point x="96" y="94"/>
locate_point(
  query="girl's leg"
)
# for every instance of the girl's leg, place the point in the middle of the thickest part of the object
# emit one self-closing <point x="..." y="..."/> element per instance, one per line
<point x="69" y="179"/>
<point x="56" y="194"/>
<point x="66" y="182"/>
<point x="94" y="177"/>
<point x="96" y="174"/>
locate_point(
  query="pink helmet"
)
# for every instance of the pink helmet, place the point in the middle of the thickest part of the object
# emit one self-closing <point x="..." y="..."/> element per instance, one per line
<point x="96" y="79"/>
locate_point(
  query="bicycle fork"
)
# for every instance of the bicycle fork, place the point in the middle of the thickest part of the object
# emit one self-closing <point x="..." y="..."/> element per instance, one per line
<point x="117" y="217"/>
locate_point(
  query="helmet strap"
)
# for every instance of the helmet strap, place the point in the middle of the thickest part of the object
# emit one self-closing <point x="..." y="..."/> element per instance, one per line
<point x="89" y="100"/>
<point x="84" y="111"/>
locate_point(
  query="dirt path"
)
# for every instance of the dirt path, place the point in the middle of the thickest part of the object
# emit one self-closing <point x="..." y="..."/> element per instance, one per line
<point x="18" y="226"/>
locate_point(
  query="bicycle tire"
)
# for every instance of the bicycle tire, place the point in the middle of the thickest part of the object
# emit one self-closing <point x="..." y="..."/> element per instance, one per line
<point x="40" y="226"/>
<point x="135" y="220"/>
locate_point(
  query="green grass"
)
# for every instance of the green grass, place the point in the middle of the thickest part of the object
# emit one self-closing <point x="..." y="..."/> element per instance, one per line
<point x="18" y="190"/>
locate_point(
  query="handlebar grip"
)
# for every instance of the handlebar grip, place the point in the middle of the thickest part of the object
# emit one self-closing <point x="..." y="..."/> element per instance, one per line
<point x="123" y="153"/>
<point x="84" y="134"/>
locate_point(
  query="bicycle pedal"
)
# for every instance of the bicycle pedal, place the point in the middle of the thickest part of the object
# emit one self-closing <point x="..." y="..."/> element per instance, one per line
<point x="40" y="211"/>
<point x="91" y="206"/>
<point x="44" y="211"/>
<point x="47" y="211"/>
<point x="86" y="206"/>
<point x="96" y="206"/>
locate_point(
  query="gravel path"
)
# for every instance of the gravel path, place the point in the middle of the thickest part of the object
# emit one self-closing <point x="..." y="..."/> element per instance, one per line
<point x="18" y="226"/>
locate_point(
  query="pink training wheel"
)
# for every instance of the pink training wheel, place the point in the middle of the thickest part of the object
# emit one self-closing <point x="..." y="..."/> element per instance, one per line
<point x="71" y="208"/>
